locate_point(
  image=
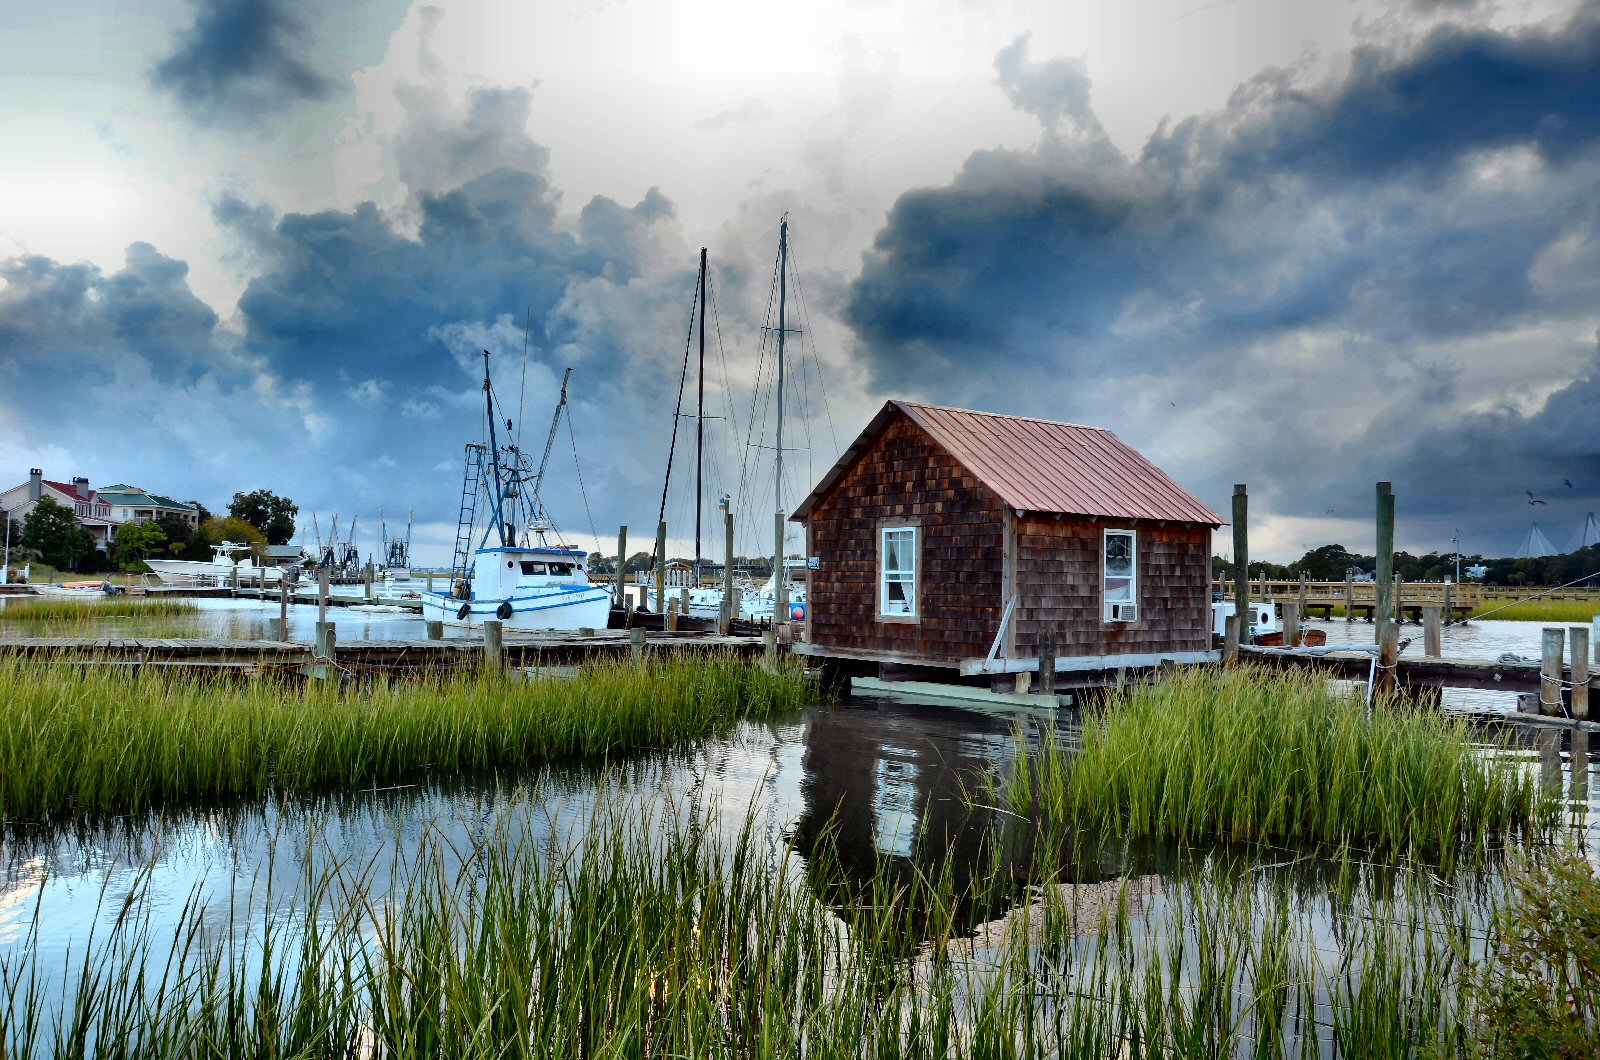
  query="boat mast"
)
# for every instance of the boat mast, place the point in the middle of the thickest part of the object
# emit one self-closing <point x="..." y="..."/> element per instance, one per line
<point x="494" y="456"/>
<point x="700" y="422"/>
<point x="779" y="595"/>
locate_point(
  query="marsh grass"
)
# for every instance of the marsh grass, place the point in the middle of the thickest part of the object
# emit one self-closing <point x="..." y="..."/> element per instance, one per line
<point x="106" y="739"/>
<point x="656" y="935"/>
<point x="1249" y="755"/>
<point x="1580" y="611"/>
<point x="24" y="610"/>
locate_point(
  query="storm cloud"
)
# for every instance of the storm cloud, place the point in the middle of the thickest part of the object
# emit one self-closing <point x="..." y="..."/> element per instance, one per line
<point x="1388" y="274"/>
<point x="243" y="59"/>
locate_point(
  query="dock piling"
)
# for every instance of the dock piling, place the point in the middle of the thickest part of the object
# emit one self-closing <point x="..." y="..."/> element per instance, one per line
<point x="435" y="629"/>
<point x="494" y="655"/>
<point x="1384" y="576"/>
<point x="1349" y="597"/>
<point x="1550" y="670"/>
<point x="636" y="638"/>
<point x="327" y="642"/>
<point x="1241" y="565"/>
<point x="1388" y="658"/>
<point x="322" y="595"/>
<point x="1432" y="631"/>
<point x="730" y="610"/>
<point x="1291" y="623"/>
<point x="620" y="585"/>
<point x="1580" y="674"/>
<point x="1230" y="638"/>
<point x="283" y="608"/>
<point x="661" y="566"/>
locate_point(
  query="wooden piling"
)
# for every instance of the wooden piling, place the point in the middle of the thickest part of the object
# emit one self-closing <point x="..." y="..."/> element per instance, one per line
<point x="322" y="595"/>
<point x="1550" y="670"/>
<point x="636" y="639"/>
<point x="1399" y="610"/>
<point x="1241" y="568"/>
<point x="1549" y="743"/>
<point x="430" y="581"/>
<point x="620" y="595"/>
<point x="671" y="621"/>
<point x="368" y="576"/>
<point x="1349" y="598"/>
<point x="1385" y="574"/>
<point x="730" y="610"/>
<point x="683" y="601"/>
<point x="1388" y="659"/>
<point x="1580" y="766"/>
<point x="1230" y="638"/>
<point x="1291" y="623"/>
<point x="283" y="608"/>
<point x="435" y="629"/>
<point x="327" y="642"/>
<point x="1449" y="609"/>
<point x="1303" y="594"/>
<point x="1432" y="630"/>
<point x="494" y="655"/>
<point x="1047" y="661"/>
<point x="1580" y="674"/>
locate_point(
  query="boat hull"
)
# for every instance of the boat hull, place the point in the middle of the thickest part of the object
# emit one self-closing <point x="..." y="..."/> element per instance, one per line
<point x="191" y="571"/>
<point x="546" y="607"/>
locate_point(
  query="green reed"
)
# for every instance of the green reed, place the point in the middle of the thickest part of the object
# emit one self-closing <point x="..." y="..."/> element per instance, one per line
<point x="23" y="610"/>
<point x="660" y="936"/>
<point x="90" y="739"/>
<point x="1252" y="755"/>
<point x="1582" y="611"/>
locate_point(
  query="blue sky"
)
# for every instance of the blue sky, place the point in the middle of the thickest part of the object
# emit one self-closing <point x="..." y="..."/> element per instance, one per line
<point x="260" y="244"/>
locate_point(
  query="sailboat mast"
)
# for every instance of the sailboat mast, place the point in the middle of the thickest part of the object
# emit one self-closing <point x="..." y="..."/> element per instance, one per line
<point x="779" y="595"/>
<point x="495" y="497"/>
<point x="700" y="422"/>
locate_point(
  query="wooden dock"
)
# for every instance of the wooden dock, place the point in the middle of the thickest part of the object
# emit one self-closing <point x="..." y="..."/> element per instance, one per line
<point x="517" y="649"/>
<point x="1360" y="599"/>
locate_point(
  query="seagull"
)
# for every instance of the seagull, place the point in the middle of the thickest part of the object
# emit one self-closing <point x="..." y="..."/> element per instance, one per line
<point x="1567" y="482"/>
<point x="1330" y="511"/>
<point x="1531" y="498"/>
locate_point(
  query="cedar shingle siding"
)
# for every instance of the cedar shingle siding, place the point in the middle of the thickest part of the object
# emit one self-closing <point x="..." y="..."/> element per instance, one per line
<point x="903" y="474"/>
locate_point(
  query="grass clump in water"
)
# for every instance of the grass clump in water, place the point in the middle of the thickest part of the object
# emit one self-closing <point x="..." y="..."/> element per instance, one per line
<point x="1541" y="611"/>
<point x="1254" y="756"/>
<point x="22" y="610"/>
<point x="96" y="739"/>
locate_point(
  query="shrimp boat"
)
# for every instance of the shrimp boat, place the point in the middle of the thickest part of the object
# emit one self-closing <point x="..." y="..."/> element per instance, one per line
<point x="520" y="573"/>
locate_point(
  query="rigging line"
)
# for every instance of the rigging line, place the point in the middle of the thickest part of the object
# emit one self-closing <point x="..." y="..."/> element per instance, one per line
<point x="805" y="311"/>
<point x="1529" y="599"/>
<point x="772" y="298"/>
<point x="677" y="410"/>
<point x="572" y="436"/>
<point x="522" y="388"/>
<point x="728" y="433"/>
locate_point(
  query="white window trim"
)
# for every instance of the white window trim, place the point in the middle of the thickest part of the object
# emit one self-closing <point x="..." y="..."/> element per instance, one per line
<point x="883" y="572"/>
<point x="1133" y="575"/>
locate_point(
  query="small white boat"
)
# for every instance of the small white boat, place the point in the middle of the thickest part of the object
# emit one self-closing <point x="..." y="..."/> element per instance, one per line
<point x="89" y="589"/>
<point x="225" y="562"/>
<point x="534" y="584"/>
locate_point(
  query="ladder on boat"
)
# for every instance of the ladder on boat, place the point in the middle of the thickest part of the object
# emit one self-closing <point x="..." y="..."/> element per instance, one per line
<point x="469" y="511"/>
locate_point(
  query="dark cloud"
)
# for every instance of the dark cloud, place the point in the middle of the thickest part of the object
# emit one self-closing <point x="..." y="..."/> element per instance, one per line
<point x="1305" y="263"/>
<point x="243" y="59"/>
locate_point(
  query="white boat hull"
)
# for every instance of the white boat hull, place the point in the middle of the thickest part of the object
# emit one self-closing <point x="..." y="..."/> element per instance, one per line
<point x="532" y="608"/>
<point x="205" y="572"/>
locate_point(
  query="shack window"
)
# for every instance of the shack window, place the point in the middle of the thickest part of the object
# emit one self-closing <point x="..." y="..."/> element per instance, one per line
<point x="898" y="592"/>
<point x="1121" y="573"/>
<point x="530" y="567"/>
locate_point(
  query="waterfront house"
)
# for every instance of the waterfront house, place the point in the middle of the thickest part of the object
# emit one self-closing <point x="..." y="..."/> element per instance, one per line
<point x="950" y="538"/>
<point x="93" y="512"/>
<point x="141" y="506"/>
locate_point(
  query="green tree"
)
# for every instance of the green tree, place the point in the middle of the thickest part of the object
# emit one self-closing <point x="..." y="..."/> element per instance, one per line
<point x="135" y="541"/>
<point x="52" y="530"/>
<point x="271" y="514"/>
<point x="179" y="533"/>
<point x="217" y="529"/>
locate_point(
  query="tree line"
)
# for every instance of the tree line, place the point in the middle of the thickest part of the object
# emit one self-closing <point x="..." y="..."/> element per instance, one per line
<point x="1330" y="563"/>
<point x="51" y="535"/>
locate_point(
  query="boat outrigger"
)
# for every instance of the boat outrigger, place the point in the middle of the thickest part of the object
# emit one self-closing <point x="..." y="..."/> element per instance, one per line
<point x="521" y="572"/>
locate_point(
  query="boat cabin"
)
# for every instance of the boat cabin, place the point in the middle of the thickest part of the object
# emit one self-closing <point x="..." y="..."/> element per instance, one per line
<point x="963" y="540"/>
<point x="497" y="573"/>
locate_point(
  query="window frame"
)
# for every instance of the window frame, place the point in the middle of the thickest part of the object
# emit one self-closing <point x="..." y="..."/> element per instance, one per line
<point x="1132" y="534"/>
<point x="914" y="527"/>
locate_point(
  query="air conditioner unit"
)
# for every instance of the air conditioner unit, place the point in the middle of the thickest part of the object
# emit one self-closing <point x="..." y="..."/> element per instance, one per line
<point x="1122" y="612"/>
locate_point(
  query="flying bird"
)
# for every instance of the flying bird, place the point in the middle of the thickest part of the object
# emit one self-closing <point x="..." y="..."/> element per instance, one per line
<point x="1330" y="511"/>
<point x="1531" y="498"/>
<point x="1567" y="482"/>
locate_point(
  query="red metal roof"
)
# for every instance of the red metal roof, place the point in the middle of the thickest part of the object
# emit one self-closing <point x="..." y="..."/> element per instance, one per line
<point x="1039" y="465"/>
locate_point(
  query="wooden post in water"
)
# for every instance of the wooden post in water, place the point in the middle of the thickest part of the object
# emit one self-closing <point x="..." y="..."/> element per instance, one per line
<point x="283" y="608"/>
<point x="683" y="602"/>
<point x="620" y="596"/>
<point x="730" y="610"/>
<point x="670" y="620"/>
<point x="1383" y="607"/>
<point x="322" y="595"/>
<point x="1580" y="766"/>
<point x="1291" y="623"/>
<point x="1230" y="638"/>
<point x="661" y="567"/>
<point x="1303" y="592"/>
<point x="1047" y="661"/>
<point x="367" y="576"/>
<point x="1449" y="611"/>
<point x="1241" y="568"/>
<point x="1580" y="674"/>
<point x="1349" y="597"/>
<point x="1399" y="612"/>
<point x="1432" y="629"/>
<point x="430" y="581"/>
<point x="636" y="638"/>
<point x="1555" y="638"/>
<point x="493" y="643"/>
<point x="435" y="629"/>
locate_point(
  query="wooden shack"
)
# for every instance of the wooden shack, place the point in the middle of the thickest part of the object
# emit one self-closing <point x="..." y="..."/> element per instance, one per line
<point x="950" y="538"/>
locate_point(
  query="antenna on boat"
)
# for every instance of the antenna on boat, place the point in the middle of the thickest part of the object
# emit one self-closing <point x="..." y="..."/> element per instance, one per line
<point x="700" y="423"/>
<point x="494" y="456"/>
<point x="537" y="509"/>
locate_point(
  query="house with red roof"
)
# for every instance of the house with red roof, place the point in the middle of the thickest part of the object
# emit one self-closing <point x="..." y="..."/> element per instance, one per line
<point x="965" y="540"/>
<point x="93" y="511"/>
